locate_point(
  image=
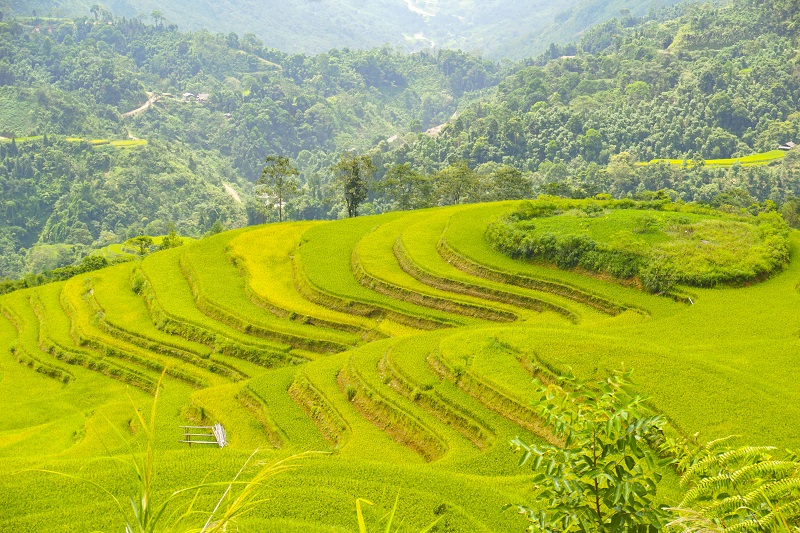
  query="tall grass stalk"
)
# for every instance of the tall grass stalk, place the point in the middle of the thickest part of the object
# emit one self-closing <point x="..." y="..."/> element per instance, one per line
<point x="238" y="498"/>
<point x="388" y="518"/>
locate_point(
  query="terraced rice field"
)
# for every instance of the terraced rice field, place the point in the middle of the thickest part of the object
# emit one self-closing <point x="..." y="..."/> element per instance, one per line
<point x="402" y="344"/>
<point x="761" y="159"/>
<point x="121" y="144"/>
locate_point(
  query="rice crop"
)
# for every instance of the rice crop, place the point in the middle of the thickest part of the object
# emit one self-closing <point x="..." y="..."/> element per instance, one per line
<point x="125" y="144"/>
<point x="264" y="259"/>
<point x="376" y="267"/>
<point x="219" y="292"/>
<point x="415" y="400"/>
<point x="759" y="159"/>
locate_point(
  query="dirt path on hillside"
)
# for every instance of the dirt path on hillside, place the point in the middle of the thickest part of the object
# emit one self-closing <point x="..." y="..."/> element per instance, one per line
<point x="428" y="11"/>
<point x="153" y="99"/>
<point x="232" y="192"/>
<point x="264" y="61"/>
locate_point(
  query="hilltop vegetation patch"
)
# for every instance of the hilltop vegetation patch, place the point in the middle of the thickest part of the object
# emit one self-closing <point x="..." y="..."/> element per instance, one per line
<point x="657" y="248"/>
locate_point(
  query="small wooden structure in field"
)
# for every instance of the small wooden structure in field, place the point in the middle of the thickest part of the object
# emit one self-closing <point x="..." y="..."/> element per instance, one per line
<point x="205" y="435"/>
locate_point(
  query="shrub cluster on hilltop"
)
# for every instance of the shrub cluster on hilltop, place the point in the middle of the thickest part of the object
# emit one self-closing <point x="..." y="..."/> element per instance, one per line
<point x="659" y="248"/>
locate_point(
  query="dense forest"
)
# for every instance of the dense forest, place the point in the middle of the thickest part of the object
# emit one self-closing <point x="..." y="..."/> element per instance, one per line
<point x="711" y="83"/>
<point x="499" y="29"/>
<point x="79" y="78"/>
<point x="692" y="82"/>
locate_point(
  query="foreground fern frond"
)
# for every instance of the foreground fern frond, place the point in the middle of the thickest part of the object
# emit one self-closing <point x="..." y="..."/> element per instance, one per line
<point x="732" y="490"/>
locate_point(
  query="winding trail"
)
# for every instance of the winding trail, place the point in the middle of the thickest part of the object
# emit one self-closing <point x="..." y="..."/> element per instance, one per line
<point x="262" y="60"/>
<point x="153" y="99"/>
<point x="414" y="8"/>
<point x="232" y="192"/>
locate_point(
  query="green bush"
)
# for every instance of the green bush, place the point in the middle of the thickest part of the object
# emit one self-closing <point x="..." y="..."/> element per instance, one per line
<point x="661" y="247"/>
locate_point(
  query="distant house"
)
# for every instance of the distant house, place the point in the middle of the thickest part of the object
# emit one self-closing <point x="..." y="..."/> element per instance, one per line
<point x="188" y="96"/>
<point x="203" y="98"/>
<point x="786" y="147"/>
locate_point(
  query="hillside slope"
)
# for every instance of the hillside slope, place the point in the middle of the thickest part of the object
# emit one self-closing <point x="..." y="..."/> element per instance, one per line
<point x="403" y="344"/>
<point x="691" y="85"/>
<point x="504" y="28"/>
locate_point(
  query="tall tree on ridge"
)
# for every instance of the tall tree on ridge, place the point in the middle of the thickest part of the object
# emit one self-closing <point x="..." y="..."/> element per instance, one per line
<point x="279" y="181"/>
<point x="158" y="18"/>
<point x="353" y="175"/>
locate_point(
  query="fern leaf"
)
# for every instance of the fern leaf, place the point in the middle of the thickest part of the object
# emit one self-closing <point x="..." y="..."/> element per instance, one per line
<point x="747" y="454"/>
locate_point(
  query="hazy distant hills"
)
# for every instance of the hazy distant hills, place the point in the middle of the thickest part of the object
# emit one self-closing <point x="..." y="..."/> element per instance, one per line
<point x="497" y="28"/>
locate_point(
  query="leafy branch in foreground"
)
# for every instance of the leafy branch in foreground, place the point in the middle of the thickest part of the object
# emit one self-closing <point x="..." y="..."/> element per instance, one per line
<point x="605" y="476"/>
<point x="745" y="489"/>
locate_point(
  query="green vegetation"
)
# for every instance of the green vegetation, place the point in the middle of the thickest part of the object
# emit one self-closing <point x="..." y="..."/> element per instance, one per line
<point x="405" y="344"/>
<point x="737" y="488"/>
<point x="278" y="182"/>
<point x="749" y="160"/>
<point x="661" y="248"/>
<point x="439" y="127"/>
<point x="605" y="475"/>
<point x="424" y="414"/>
<point x="583" y="120"/>
<point x="507" y="30"/>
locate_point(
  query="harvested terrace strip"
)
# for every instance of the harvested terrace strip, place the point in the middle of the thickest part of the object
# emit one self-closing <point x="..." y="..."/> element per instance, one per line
<point x="17" y="310"/>
<point x="428" y="396"/>
<point x="358" y="438"/>
<point x="172" y="309"/>
<point x="76" y="299"/>
<point x="219" y="292"/>
<point x="363" y="389"/>
<point x="375" y="267"/>
<point x="464" y="246"/>
<point x="264" y="258"/>
<point x="289" y="419"/>
<point x="323" y="274"/>
<point x="123" y="314"/>
<point x="416" y="252"/>
<point x="56" y="339"/>
<point x="456" y="359"/>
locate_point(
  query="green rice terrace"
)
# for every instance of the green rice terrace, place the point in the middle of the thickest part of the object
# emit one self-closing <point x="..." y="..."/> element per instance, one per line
<point x="121" y="144"/>
<point x="753" y="160"/>
<point x="404" y="345"/>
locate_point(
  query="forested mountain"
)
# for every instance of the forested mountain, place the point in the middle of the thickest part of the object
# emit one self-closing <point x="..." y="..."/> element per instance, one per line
<point x="699" y="83"/>
<point x="83" y="78"/>
<point x="692" y="83"/>
<point x="501" y="28"/>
